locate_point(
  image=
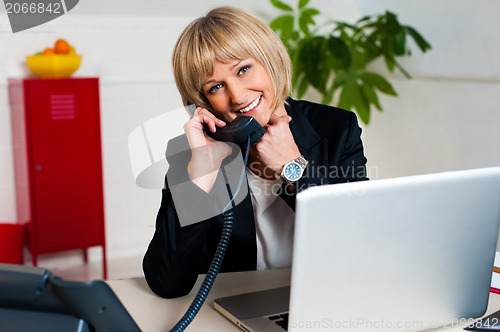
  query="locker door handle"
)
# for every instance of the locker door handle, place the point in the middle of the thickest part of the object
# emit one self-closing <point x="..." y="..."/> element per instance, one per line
<point x="38" y="168"/>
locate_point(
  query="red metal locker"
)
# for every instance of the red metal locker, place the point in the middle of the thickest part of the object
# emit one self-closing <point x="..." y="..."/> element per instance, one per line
<point x="57" y="152"/>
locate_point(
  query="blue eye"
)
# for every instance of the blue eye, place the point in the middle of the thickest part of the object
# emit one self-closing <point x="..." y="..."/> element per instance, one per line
<point x="215" y="88"/>
<point x="243" y="70"/>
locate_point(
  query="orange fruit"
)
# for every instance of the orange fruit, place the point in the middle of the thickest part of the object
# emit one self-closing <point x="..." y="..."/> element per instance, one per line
<point x="61" y="46"/>
<point x="48" y="51"/>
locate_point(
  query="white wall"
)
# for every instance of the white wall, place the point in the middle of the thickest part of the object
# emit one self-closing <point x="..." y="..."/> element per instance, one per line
<point x="445" y="118"/>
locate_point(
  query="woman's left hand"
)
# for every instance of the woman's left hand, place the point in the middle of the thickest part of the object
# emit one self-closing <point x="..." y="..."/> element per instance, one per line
<point x="277" y="146"/>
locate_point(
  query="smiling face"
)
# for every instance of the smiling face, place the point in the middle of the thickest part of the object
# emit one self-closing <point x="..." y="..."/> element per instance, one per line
<point x="241" y="87"/>
<point x="229" y="35"/>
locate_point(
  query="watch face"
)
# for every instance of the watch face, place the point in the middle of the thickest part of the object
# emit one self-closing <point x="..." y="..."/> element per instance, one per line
<point x="292" y="172"/>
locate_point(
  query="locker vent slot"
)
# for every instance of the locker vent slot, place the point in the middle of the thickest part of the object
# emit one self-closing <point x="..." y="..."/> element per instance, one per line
<point x="62" y="107"/>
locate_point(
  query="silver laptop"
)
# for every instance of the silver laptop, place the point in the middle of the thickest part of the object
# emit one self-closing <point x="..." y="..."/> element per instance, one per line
<point x="403" y="254"/>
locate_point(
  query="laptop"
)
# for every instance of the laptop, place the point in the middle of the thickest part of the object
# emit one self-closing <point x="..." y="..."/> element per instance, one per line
<point x="404" y="254"/>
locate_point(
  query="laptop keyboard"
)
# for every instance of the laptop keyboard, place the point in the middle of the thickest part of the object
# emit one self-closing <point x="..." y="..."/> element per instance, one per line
<point x="281" y="320"/>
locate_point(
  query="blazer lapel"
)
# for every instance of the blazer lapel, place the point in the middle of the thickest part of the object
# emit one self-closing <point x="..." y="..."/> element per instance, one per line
<point x="306" y="138"/>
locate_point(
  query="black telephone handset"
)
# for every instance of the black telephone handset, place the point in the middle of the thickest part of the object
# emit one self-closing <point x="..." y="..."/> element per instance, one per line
<point x="238" y="130"/>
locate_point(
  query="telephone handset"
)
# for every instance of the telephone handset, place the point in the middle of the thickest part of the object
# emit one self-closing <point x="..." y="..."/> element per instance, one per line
<point x="238" y="131"/>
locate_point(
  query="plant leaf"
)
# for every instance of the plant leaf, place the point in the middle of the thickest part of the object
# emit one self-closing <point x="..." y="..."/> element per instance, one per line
<point x="389" y="62"/>
<point x="399" y="43"/>
<point x="338" y="81"/>
<point x="310" y="57"/>
<point x="306" y="19"/>
<point x="379" y="82"/>
<point x="360" y="103"/>
<point x="391" y="22"/>
<point x="340" y="52"/>
<point x="340" y="78"/>
<point x="302" y="3"/>
<point x="304" y="25"/>
<point x="371" y="95"/>
<point x="310" y="12"/>
<point x="343" y="25"/>
<point x="328" y="96"/>
<point x="284" y="24"/>
<point x="297" y="67"/>
<point x="281" y="5"/>
<point x="346" y="99"/>
<point x="421" y="42"/>
<point x="303" y="85"/>
<point x="364" y="18"/>
<point x="297" y="64"/>
<point x="388" y="47"/>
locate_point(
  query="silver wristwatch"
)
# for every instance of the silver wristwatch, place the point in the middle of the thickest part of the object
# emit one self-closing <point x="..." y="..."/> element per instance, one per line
<point x="293" y="170"/>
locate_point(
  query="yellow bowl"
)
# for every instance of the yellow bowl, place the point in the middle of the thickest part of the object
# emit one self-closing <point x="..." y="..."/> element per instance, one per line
<point x="54" y="65"/>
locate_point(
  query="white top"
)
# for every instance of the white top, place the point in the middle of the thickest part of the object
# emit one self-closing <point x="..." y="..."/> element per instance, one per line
<point x="274" y="223"/>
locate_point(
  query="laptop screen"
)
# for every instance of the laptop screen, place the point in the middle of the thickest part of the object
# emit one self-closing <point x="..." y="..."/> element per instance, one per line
<point x="400" y="254"/>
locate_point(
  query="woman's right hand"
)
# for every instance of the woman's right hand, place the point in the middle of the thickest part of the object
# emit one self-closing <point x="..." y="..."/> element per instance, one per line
<point x="207" y="153"/>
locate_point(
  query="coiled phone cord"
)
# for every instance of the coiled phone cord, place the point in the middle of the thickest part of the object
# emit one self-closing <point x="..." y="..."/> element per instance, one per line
<point x="220" y="252"/>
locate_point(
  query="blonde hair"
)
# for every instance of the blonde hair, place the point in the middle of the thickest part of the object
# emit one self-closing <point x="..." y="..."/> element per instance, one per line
<point x="227" y="34"/>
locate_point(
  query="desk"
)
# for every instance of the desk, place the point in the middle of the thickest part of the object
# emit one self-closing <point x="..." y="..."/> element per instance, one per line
<point x="155" y="314"/>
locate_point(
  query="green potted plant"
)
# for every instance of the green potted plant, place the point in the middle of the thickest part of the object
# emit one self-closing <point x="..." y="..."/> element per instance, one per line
<point x="333" y="57"/>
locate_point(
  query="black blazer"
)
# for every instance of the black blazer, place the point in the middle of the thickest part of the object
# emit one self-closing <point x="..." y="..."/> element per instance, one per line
<point x="328" y="137"/>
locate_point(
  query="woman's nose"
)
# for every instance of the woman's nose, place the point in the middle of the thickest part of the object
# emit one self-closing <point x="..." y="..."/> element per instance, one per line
<point x="236" y="93"/>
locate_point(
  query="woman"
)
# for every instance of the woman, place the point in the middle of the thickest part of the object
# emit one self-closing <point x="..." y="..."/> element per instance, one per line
<point x="230" y="63"/>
